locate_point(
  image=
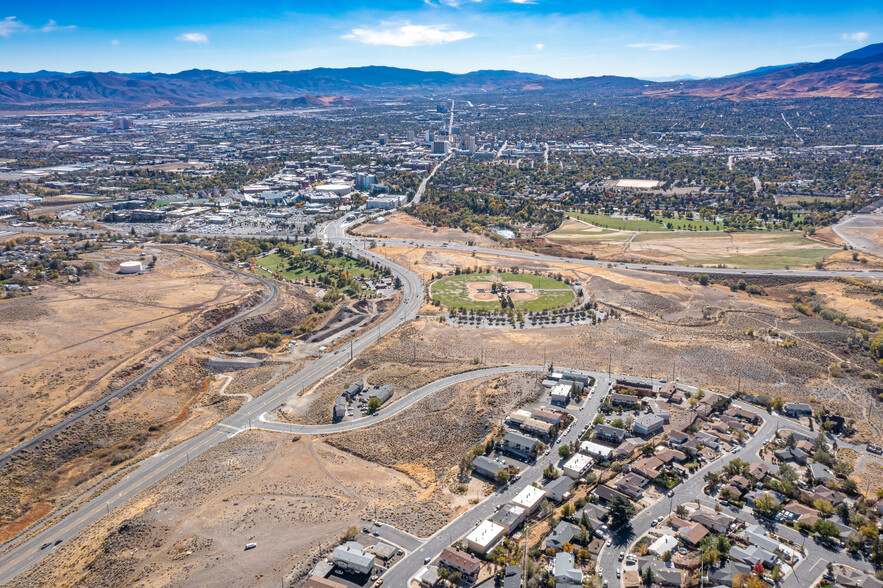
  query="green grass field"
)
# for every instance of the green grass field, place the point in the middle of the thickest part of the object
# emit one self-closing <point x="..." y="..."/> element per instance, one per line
<point x="453" y="292"/>
<point x="619" y="224"/>
<point x="278" y="263"/>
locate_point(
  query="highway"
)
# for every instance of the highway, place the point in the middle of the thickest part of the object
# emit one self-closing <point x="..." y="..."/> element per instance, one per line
<point x="143" y="376"/>
<point x="253" y="415"/>
<point x="519" y="254"/>
<point x="151" y="470"/>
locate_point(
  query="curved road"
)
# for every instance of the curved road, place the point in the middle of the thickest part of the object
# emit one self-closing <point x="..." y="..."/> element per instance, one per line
<point x="143" y="376"/>
<point x="76" y="517"/>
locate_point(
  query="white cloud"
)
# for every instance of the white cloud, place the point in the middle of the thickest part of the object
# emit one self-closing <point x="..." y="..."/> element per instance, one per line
<point x="857" y="37"/>
<point x="408" y="35"/>
<point x="192" y="38"/>
<point x="523" y="1"/>
<point x="53" y="26"/>
<point x="10" y="25"/>
<point x="451" y="3"/>
<point x="115" y="42"/>
<point x="652" y="46"/>
<point x="539" y="46"/>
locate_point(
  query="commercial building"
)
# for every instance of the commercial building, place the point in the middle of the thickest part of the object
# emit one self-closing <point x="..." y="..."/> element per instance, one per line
<point x="577" y="466"/>
<point x="484" y="536"/>
<point x="648" y="424"/>
<point x="529" y="499"/>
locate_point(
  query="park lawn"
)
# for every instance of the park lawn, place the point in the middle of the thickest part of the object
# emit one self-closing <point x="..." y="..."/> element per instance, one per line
<point x="278" y="263"/>
<point x="168" y="201"/>
<point x="453" y="292"/>
<point x="678" y="224"/>
<point x="619" y="224"/>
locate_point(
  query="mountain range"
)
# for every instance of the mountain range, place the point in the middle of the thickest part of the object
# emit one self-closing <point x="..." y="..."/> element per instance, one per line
<point x="857" y="74"/>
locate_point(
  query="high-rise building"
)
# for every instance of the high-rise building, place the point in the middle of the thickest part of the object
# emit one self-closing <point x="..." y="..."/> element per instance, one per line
<point x="122" y="124"/>
<point x="383" y="139"/>
<point x="470" y="142"/>
<point x="411" y="136"/>
<point x="428" y="136"/>
<point x="440" y="147"/>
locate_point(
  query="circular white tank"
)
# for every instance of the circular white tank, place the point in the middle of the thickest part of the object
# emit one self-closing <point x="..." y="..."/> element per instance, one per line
<point x="334" y="188"/>
<point x="130" y="267"/>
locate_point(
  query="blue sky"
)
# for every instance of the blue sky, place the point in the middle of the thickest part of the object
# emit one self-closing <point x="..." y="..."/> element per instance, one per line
<point x="643" y="38"/>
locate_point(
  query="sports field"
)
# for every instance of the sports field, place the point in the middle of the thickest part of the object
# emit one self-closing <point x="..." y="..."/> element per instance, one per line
<point x="528" y="292"/>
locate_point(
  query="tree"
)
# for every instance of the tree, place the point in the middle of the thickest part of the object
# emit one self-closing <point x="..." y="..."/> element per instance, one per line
<point x="648" y="450"/>
<point x="373" y="405"/>
<point x="825" y="508"/>
<point x="647" y="576"/>
<point x="551" y="472"/>
<point x="443" y="572"/>
<point x="455" y="577"/>
<point x="758" y="569"/>
<point x="502" y="476"/>
<point x="766" y="505"/>
<point x="351" y="534"/>
<point x="737" y="467"/>
<point x="826" y="529"/>
<point x="788" y="473"/>
<point x="620" y="511"/>
<point x="564" y="451"/>
<point x="712" y="478"/>
<point x="567" y="511"/>
<point x="681" y="511"/>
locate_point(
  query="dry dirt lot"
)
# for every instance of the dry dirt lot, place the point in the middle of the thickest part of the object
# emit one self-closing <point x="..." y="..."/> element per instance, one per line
<point x="670" y="320"/>
<point x="65" y="346"/>
<point x="404" y="226"/>
<point x="174" y="403"/>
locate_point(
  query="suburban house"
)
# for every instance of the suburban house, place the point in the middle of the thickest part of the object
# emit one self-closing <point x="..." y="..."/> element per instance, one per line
<point x="463" y="562"/>
<point x="791" y="454"/>
<point x="820" y="473"/>
<point x="742" y="414"/>
<point x="564" y="533"/>
<point x="665" y="573"/>
<point x="596" y="450"/>
<point x="558" y="488"/>
<point x="758" y="470"/>
<point x="606" y="493"/>
<point x="677" y="437"/>
<point x="639" y="388"/>
<point x="708" y="440"/>
<point x="609" y="434"/>
<point x="752" y="554"/>
<point x="714" y="521"/>
<point x="797" y="409"/>
<point x="648" y="424"/>
<point x="689" y="533"/>
<point x="519" y="445"/>
<point x="350" y="556"/>
<point x="631" y="484"/>
<point x="663" y="544"/>
<point x="487" y="467"/>
<point x="564" y="570"/>
<point x="649" y="467"/>
<point x="512" y="577"/>
<point x="518" y="417"/>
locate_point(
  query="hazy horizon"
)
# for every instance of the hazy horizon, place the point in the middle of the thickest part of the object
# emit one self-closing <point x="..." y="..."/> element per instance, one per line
<point x="643" y="39"/>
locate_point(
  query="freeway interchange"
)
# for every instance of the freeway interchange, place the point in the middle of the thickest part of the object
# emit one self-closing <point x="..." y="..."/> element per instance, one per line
<point x="75" y="517"/>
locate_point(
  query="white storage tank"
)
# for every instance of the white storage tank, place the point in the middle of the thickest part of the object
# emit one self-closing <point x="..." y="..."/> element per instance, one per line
<point x="130" y="267"/>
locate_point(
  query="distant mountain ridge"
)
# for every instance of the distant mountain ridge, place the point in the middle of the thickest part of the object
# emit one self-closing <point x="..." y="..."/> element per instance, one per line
<point x="857" y="74"/>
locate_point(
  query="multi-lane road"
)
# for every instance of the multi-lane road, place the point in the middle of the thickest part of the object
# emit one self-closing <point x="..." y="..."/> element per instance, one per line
<point x="143" y="376"/>
<point x="252" y="414"/>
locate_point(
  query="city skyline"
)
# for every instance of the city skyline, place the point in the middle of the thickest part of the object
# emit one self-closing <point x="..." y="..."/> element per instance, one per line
<point x="642" y="38"/>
